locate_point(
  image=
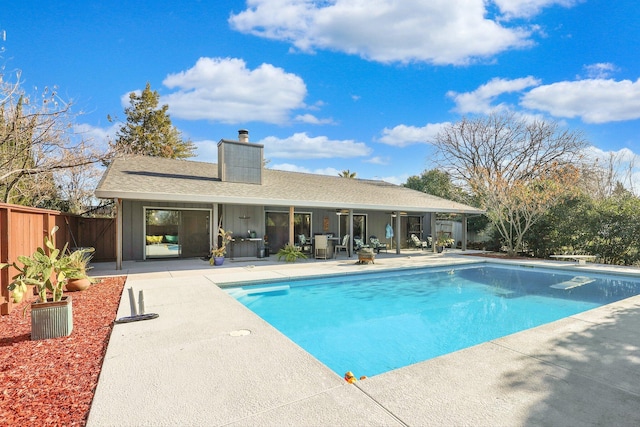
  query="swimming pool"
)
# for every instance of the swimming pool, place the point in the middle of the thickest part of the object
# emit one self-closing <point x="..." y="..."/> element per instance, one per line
<point x="374" y="323"/>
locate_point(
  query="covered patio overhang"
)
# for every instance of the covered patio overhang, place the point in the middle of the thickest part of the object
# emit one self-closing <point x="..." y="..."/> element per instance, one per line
<point x="291" y="206"/>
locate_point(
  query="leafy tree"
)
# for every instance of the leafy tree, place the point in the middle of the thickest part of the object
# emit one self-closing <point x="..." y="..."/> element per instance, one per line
<point x="347" y="174"/>
<point x="562" y="229"/>
<point x="614" y="229"/>
<point x="436" y="183"/>
<point x="608" y="227"/>
<point x="148" y="129"/>
<point x="518" y="168"/>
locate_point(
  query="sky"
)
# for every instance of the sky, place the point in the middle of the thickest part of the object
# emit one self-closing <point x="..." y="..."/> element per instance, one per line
<point x="333" y="85"/>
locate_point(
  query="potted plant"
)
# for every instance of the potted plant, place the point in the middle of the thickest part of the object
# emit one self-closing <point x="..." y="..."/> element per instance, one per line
<point x="443" y="241"/>
<point x="47" y="269"/>
<point x="290" y="253"/>
<point x="217" y="254"/>
<point x="77" y="277"/>
<point x="366" y="255"/>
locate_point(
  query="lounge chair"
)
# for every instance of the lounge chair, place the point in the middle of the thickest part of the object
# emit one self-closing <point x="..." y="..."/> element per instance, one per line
<point x="358" y="244"/>
<point x="377" y="245"/>
<point x="344" y="245"/>
<point x="421" y="244"/>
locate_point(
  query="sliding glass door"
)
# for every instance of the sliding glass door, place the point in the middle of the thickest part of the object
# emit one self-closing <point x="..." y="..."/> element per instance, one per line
<point x="176" y="233"/>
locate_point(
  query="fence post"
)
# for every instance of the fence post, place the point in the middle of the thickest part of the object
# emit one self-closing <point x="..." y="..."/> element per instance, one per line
<point x="5" y="301"/>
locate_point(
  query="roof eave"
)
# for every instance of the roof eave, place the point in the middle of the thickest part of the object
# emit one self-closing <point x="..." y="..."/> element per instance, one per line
<point x="192" y="198"/>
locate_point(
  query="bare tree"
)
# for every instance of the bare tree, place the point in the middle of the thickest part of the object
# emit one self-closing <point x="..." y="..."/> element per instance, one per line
<point x="602" y="177"/>
<point x="36" y="142"/>
<point x="76" y="185"/>
<point x="518" y="167"/>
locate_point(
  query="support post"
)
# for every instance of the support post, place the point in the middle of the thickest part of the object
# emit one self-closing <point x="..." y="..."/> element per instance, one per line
<point x="119" y="234"/>
<point x="350" y="250"/>
<point x="291" y="224"/>
<point x="464" y="232"/>
<point x="397" y="231"/>
<point x="434" y="235"/>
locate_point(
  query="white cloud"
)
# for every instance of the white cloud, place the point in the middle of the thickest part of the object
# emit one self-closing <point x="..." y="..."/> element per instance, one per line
<point x="623" y="156"/>
<point x="377" y="160"/>
<point x="403" y="135"/>
<point x="302" y="146"/>
<point x="601" y="70"/>
<point x="313" y="120"/>
<point x="207" y="151"/>
<point x="593" y="100"/>
<point x="479" y="100"/>
<point x="97" y="135"/>
<point x="436" y="31"/>
<point x="527" y="8"/>
<point x="225" y="90"/>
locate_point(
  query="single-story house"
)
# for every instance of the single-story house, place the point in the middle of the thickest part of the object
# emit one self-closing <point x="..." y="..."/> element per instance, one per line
<point x="173" y="208"/>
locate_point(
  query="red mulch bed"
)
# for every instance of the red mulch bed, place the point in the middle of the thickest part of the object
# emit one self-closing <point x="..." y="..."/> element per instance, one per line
<point x="52" y="382"/>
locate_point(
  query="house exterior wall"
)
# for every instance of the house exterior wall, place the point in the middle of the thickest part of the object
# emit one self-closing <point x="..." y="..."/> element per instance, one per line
<point x="242" y="220"/>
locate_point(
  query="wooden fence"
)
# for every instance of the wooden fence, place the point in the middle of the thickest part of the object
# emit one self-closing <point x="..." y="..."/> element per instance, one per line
<point x="22" y="231"/>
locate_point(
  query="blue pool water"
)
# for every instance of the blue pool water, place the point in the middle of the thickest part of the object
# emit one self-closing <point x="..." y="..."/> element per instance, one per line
<point x="373" y="323"/>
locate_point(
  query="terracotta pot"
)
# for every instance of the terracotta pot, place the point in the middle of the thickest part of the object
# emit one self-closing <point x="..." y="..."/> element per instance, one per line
<point x="74" y="285"/>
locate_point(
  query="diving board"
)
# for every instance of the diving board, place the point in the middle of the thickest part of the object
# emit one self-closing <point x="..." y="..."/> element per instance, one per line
<point x="582" y="259"/>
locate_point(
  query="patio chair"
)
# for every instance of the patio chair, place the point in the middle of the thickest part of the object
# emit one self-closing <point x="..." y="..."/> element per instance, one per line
<point x="377" y="245"/>
<point x="321" y="246"/>
<point x="419" y="244"/>
<point x="358" y="244"/>
<point x="344" y="245"/>
<point x="303" y="245"/>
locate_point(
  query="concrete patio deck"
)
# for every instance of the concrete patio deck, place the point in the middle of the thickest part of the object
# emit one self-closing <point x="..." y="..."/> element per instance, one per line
<point x="194" y="365"/>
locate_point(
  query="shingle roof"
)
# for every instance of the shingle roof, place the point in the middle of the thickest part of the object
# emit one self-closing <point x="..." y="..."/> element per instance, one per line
<point x="160" y="179"/>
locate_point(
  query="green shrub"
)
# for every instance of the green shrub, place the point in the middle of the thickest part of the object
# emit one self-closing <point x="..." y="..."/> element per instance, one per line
<point x="290" y="253"/>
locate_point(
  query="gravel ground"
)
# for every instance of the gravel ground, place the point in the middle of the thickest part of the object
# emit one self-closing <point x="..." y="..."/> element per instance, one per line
<point x="52" y="382"/>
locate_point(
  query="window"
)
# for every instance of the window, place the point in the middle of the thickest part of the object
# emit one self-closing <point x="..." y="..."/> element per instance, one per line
<point x="302" y="224"/>
<point x="359" y="226"/>
<point x="414" y="226"/>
